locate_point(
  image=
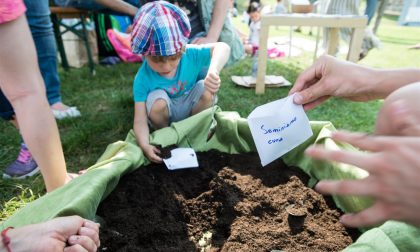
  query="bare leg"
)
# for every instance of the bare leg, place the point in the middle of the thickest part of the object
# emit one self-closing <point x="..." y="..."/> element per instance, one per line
<point x="205" y="102"/>
<point x="22" y="84"/>
<point x="159" y="114"/>
<point x="119" y="6"/>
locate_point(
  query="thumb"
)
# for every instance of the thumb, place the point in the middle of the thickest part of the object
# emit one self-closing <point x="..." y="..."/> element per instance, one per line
<point x="310" y="94"/>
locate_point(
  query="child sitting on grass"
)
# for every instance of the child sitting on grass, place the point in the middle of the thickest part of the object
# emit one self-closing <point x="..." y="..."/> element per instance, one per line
<point x="166" y="88"/>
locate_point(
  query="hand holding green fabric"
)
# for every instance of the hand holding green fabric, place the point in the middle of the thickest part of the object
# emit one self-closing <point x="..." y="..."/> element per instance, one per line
<point x="393" y="164"/>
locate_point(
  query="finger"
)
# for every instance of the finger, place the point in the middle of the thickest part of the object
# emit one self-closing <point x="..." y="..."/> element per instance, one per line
<point x="362" y="141"/>
<point x="92" y="225"/>
<point x="213" y="75"/>
<point x="362" y="187"/>
<point x="211" y="89"/>
<point x="313" y="104"/>
<point x="91" y="233"/>
<point x="359" y="159"/>
<point x="85" y="241"/>
<point x="311" y="94"/>
<point x="155" y="158"/>
<point x="75" y="248"/>
<point x="156" y="150"/>
<point x="306" y="76"/>
<point x="213" y="82"/>
<point x="368" y="217"/>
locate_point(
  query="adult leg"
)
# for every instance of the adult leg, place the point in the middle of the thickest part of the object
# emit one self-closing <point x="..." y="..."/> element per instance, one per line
<point x="23" y="85"/>
<point x="38" y="15"/>
<point x="370" y="9"/>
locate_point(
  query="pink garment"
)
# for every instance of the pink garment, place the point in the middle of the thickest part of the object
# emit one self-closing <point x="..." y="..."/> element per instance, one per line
<point x="121" y="43"/>
<point x="11" y="10"/>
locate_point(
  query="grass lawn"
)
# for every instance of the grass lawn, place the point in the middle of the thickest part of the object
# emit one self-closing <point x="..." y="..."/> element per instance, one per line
<point x="105" y="101"/>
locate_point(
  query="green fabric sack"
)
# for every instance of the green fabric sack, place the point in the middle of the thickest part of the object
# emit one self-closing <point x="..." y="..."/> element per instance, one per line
<point x="232" y="135"/>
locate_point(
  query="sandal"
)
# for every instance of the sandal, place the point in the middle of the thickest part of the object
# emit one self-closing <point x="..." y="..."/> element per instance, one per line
<point x="68" y="113"/>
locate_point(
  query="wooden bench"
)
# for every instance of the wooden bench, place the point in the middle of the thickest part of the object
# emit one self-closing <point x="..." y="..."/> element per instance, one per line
<point x="356" y="23"/>
<point x="60" y="13"/>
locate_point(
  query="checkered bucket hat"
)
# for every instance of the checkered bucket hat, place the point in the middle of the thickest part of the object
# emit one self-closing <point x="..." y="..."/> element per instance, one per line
<point x="159" y="29"/>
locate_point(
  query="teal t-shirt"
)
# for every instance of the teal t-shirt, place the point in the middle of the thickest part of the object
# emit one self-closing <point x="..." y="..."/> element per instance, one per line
<point x="192" y="61"/>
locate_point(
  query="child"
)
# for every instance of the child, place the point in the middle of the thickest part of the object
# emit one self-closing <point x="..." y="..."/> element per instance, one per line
<point x="254" y="12"/>
<point x="166" y="88"/>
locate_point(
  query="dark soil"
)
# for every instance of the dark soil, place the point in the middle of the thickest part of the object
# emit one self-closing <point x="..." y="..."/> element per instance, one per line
<point x="230" y="203"/>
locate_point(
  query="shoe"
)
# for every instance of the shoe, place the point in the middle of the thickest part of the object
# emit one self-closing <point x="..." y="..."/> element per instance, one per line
<point x="70" y="112"/>
<point x="24" y="166"/>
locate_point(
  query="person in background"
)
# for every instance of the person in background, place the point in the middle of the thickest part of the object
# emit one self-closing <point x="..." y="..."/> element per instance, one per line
<point x="254" y="12"/>
<point x="127" y="7"/>
<point x="166" y="88"/>
<point x="370" y="9"/>
<point x="391" y="153"/>
<point x="38" y="16"/>
<point x="348" y="7"/>
<point x="209" y="24"/>
<point x="280" y="8"/>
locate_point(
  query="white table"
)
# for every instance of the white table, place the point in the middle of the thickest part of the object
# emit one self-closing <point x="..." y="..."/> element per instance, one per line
<point x="335" y="22"/>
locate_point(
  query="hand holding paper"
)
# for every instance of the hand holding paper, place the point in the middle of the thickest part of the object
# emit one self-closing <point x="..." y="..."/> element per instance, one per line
<point x="278" y="127"/>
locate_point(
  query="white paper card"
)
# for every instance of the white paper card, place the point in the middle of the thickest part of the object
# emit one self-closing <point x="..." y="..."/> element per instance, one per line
<point x="278" y="127"/>
<point x="181" y="158"/>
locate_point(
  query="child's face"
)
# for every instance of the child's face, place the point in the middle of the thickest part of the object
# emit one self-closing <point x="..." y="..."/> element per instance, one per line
<point x="255" y="16"/>
<point x="165" y="68"/>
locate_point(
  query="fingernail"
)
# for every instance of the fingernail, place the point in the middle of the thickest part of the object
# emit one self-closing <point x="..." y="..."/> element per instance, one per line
<point x="298" y="99"/>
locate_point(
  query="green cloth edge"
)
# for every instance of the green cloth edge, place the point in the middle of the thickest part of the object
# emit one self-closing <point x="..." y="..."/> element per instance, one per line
<point x="232" y="135"/>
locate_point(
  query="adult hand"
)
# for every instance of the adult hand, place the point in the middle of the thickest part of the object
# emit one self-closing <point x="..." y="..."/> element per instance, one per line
<point x="152" y="153"/>
<point x="331" y="77"/>
<point x="212" y="81"/>
<point x="393" y="164"/>
<point x="204" y="40"/>
<point x="67" y="234"/>
<point x="400" y="113"/>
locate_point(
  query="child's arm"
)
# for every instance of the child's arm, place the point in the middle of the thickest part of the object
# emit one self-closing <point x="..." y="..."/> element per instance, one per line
<point x="220" y="53"/>
<point x="141" y="129"/>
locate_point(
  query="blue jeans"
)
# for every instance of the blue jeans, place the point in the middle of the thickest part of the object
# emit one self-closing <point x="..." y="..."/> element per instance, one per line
<point x="370" y="9"/>
<point x="38" y="15"/>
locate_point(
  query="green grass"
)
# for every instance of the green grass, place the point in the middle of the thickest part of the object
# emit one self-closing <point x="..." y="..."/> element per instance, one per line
<point x="105" y="101"/>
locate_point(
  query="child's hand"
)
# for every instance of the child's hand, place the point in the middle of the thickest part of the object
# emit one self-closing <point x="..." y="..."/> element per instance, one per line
<point x="212" y="81"/>
<point x="151" y="153"/>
